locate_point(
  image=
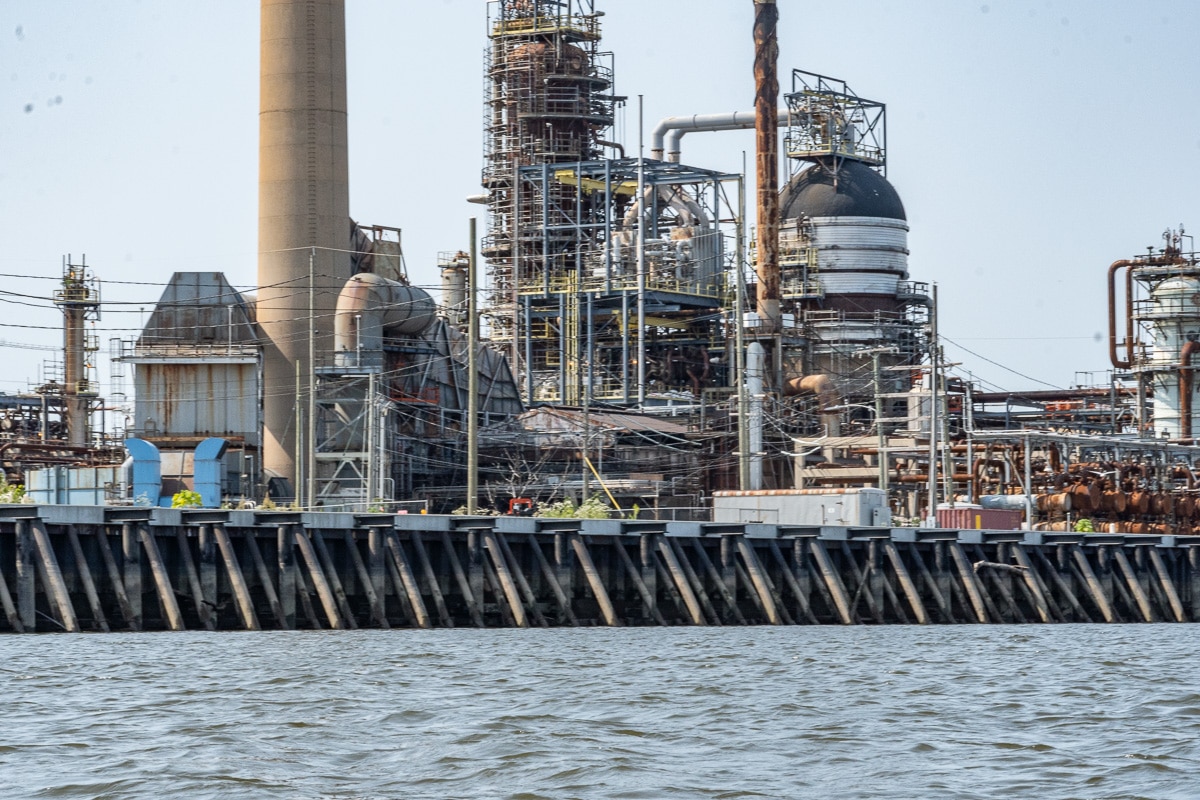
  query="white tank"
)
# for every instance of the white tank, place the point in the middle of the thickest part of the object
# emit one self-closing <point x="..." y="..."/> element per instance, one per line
<point x="1174" y="315"/>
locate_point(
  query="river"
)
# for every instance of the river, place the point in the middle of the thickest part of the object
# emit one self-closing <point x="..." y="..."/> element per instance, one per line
<point x="1036" y="711"/>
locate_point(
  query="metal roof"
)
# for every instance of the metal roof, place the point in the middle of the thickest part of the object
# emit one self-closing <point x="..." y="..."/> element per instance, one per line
<point x="859" y="192"/>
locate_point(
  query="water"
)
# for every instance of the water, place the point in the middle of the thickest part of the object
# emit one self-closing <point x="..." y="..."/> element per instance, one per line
<point x="860" y="712"/>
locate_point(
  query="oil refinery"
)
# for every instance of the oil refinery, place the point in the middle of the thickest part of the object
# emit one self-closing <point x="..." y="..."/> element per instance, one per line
<point x="628" y="327"/>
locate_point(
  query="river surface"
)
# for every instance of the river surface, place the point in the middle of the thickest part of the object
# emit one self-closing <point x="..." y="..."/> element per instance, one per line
<point x="1037" y="711"/>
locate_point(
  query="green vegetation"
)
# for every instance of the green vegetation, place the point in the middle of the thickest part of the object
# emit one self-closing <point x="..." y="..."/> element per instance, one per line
<point x="592" y="508"/>
<point x="11" y="492"/>
<point x="186" y="499"/>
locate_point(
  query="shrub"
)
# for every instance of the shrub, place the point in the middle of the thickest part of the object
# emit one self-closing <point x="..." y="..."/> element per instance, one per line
<point x="186" y="499"/>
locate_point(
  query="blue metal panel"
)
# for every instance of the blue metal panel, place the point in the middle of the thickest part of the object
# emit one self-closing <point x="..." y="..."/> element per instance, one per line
<point x="147" y="473"/>
<point x="207" y="467"/>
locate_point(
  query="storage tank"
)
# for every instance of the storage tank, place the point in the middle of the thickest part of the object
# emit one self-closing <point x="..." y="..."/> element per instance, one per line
<point x="1174" y="314"/>
<point x="859" y="232"/>
<point x="851" y="275"/>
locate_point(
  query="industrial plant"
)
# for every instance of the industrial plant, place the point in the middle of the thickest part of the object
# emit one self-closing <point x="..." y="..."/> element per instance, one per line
<point x="629" y="329"/>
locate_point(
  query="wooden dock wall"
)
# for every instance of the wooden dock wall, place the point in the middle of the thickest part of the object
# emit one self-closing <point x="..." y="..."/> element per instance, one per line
<point x="91" y="568"/>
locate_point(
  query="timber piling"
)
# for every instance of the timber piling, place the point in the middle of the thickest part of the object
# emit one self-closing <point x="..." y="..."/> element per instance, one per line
<point x="90" y="568"/>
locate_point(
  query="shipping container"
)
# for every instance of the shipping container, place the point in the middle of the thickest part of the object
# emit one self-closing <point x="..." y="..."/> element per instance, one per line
<point x="973" y="517"/>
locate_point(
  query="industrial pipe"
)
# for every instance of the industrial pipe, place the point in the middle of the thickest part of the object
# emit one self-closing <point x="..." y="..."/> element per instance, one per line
<point x="1185" y="386"/>
<point x="1127" y="362"/>
<point x="820" y="385"/>
<point x="755" y="371"/>
<point x="367" y="306"/>
<point x="667" y="135"/>
<point x="620" y="148"/>
<point x="827" y="396"/>
<point x="977" y="478"/>
<point x="1169" y="256"/>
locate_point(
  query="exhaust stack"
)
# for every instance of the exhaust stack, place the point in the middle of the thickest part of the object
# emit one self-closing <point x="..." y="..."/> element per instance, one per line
<point x="766" y="124"/>
<point x="303" y="205"/>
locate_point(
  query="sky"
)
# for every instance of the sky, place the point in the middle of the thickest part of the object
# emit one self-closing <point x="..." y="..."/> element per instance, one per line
<point x="1032" y="142"/>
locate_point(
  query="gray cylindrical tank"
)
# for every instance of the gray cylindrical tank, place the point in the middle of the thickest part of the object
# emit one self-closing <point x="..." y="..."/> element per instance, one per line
<point x="303" y="200"/>
<point x="1004" y="502"/>
<point x="1174" y="316"/>
<point x="454" y="288"/>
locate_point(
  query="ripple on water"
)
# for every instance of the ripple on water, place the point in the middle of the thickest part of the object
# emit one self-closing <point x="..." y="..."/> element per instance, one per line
<point x="963" y="711"/>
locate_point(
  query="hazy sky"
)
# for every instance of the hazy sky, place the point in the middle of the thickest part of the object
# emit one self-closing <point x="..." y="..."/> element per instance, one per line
<point x="1032" y="142"/>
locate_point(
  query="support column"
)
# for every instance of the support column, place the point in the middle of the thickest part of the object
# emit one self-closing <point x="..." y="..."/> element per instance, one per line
<point x="377" y="569"/>
<point x="833" y="581"/>
<point x="1168" y="586"/>
<point x="132" y="568"/>
<point x="648" y="572"/>
<point x="906" y="582"/>
<point x="26" y="576"/>
<point x="208" y="568"/>
<point x="593" y="577"/>
<point x="285" y="538"/>
<point x="970" y="584"/>
<point x="85" y="575"/>
<point x="1093" y="584"/>
<point x="57" y="588"/>
<point x="680" y="580"/>
<point x="162" y="581"/>
<point x="759" y="579"/>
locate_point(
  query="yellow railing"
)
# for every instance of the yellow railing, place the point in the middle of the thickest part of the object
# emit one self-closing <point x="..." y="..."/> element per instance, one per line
<point x="583" y="27"/>
<point x="562" y="284"/>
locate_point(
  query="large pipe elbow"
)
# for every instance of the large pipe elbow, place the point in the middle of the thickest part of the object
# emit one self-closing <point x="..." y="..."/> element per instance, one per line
<point x="1116" y="266"/>
<point x="666" y="136"/>
<point x="369" y="305"/>
<point x="1169" y="257"/>
<point x="820" y="385"/>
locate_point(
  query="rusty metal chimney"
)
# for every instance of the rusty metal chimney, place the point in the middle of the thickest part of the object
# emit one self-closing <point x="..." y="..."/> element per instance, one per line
<point x="303" y="206"/>
<point x="766" y="152"/>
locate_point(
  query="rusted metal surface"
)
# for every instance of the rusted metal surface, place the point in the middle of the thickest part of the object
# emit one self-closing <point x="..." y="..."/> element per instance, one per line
<point x="766" y="124"/>
<point x="1185" y="387"/>
<point x="196" y="399"/>
<point x="1167" y="257"/>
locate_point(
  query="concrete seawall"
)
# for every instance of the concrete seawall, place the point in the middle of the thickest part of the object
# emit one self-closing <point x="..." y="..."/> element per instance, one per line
<point x="93" y="568"/>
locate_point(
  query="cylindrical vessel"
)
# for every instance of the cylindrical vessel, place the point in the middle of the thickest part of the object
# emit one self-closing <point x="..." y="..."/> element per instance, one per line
<point x="1174" y="313"/>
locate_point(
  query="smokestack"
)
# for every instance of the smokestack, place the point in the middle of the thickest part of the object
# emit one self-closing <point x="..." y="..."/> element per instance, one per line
<point x="303" y="203"/>
<point x="766" y="123"/>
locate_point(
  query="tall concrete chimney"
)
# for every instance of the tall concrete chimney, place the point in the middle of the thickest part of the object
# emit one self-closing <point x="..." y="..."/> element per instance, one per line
<point x="303" y="203"/>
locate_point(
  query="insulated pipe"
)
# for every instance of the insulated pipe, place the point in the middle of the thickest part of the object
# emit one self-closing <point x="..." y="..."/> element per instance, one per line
<point x="756" y="357"/>
<point x="766" y="121"/>
<point x="820" y="385"/>
<point x="827" y="395"/>
<point x="368" y="305"/>
<point x="1185" y="387"/>
<point x="666" y="137"/>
